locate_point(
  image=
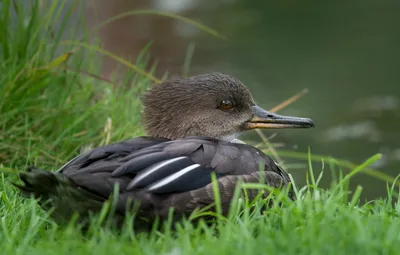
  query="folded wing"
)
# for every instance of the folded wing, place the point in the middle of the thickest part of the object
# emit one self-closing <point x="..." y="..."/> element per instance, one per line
<point x="171" y="172"/>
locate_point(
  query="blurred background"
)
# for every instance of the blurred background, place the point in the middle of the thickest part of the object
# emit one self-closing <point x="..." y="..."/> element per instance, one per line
<point x="346" y="53"/>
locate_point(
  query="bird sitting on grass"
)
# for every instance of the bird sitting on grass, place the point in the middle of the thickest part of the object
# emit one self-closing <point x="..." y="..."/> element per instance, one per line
<point x="191" y="126"/>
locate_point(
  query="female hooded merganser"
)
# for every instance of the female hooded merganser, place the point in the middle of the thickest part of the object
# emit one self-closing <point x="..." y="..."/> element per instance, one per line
<point x="191" y="125"/>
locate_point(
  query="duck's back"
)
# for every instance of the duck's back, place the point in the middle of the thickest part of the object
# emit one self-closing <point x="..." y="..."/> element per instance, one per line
<point x="161" y="173"/>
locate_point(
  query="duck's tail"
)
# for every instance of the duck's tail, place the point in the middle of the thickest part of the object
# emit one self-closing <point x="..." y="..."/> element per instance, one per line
<point x="40" y="183"/>
<point x="58" y="194"/>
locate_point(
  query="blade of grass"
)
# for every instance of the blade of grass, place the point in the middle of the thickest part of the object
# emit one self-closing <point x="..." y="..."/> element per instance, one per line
<point x="188" y="58"/>
<point x="362" y="167"/>
<point x="217" y="196"/>
<point x="356" y="196"/>
<point x="289" y="101"/>
<point x="339" y="162"/>
<point x="310" y="169"/>
<point x="113" y="56"/>
<point x="159" y="13"/>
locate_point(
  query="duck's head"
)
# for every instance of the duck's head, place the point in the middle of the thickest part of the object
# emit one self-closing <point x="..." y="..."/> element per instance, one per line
<point x="215" y="105"/>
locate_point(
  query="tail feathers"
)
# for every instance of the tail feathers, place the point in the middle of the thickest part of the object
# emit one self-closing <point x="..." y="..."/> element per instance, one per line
<point x="57" y="192"/>
<point x="40" y="183"/>
<point x="61" y="196"/>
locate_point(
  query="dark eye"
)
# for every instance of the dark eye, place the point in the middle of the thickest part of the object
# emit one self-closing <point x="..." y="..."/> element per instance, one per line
<point x="225" y="105"/>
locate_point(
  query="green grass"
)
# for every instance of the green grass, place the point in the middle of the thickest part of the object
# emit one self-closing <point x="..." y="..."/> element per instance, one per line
<point x="51" y="106"/>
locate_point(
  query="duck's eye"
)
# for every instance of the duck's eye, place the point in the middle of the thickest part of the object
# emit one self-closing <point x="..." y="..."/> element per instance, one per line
<point x="226" y="105"/>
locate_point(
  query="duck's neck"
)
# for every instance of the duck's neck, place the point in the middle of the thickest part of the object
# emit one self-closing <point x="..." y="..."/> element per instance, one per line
<point x="233" y="138"/>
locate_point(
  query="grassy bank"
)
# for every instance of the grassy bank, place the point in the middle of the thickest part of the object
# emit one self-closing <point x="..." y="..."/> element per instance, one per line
<point x="53" y="103"/>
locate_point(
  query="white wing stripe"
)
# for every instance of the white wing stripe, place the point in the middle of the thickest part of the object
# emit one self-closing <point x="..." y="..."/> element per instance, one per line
<point x="173" y="177"/>
<point x="66" y="164"/>
<point x="154" y="168"/>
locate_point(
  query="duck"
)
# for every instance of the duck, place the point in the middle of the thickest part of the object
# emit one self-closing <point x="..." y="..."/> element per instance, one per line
<point x="192" y="128"/>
